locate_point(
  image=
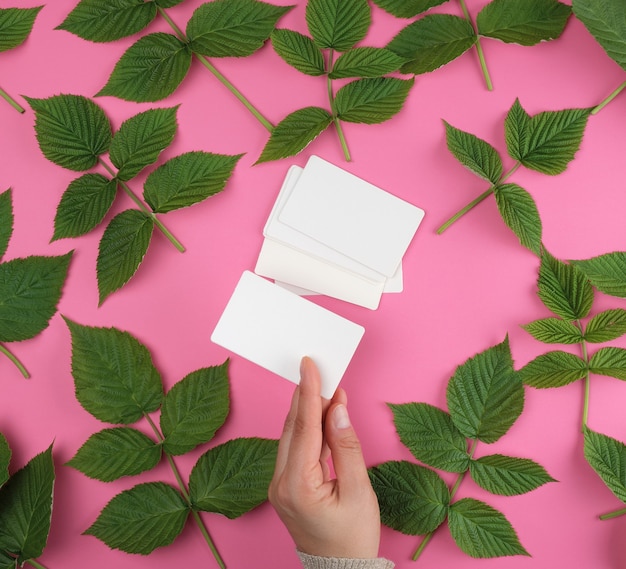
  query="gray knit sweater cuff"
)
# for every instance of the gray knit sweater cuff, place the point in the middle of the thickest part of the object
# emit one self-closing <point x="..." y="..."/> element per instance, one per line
<point x="314" y="562"/>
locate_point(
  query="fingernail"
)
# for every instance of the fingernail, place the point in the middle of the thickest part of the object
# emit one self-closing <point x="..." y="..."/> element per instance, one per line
<point x="341" y="418"/>
<point x="303" y="365"/>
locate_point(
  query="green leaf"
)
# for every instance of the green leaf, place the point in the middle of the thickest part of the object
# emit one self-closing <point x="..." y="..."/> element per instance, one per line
<point x="519" y="212"/>
<point x="525" y="22"/>
<point x="413" y="499"/>
<point x="485" y="396"/>
<point x="299" y="51"/>
<point x="141" y="519"/>
<point x="26" y="508"/>
<point x="554" y="331"/>
<point x="5" y="459"/>
<point x="563" y="288"/>
<point x="114" y="376"/>
<point x="546" y="142"/>
<point x="338" y="24"/>
<point x="141" y="139"/>
<point x="430" y="435"/>
<point x="108" y="20"/>
<point x="83" y="205"/>
<point x="30" y="290"/>
<point x="474" y="153"/>
<point x="607" y="456"/>
<point x="7" y="561"/>
<point x="606" y="326"/>
<point x="71" y="130"/>
<point x="195" y="408"/>
<point x="168" y="3"/>
<point x="432" y="41"/>
<point x="609" y="361"/>
<point x="150" y="70"/>
<point x="295" y="132"/>
<point x="16" y="25"/>
<point x="188" y="179"/>
<point x="407" y="8"/>
<point x="6" y="220"/>
<point x="113" y="453"/>
<point x="606" y="272"/>
<point x="122" y="248"/>
<point x="554" y="369"/>
<point x="508" y="476"/>
<point x="232" y="28"/>
<point x="372" y="100"/>
<point x="366" y="62"/>
<point x="606" y="22"/>
<point x="232" y="479"/>
<point x="481" y="531"/>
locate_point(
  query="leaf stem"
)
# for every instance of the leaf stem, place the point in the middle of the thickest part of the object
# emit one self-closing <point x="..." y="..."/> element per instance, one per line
<point x="35" y="563"/>
<point x="18" y="364"/>
<point x="612" y="515"/>
<point x="479" y="47"/>
<point x="583" y="345"/>
<point x="606" y="101"/>
<point x="143" y="208"/>
<point x="477" y="200"/>
<point x="11" y="101"/>
<point x="221" y="78"/>
<point x="183" y="489"/>
<point x="331" y="100"/>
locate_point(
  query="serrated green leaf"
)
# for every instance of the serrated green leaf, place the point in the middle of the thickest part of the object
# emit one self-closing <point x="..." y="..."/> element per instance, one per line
<point x="606" y="22"/>
<point x="188" y="179"/>
<point x="481" y="531"/>
<point x="338" y="24"/>
<point x="6" y="220"/>
<point x="150" y="70"/>
<point x="607" y="456"/>
<point x="548" y="141"/>
<point x="507" y="475"/>
<point x="474" y="153"/>
<point x="366" y="62"/>
<point x="413" y="499"/>
<point x="609" y="361"/>
<point x="141" y="519"/>
<point x="5" y="459"/>
<point x="606" y="272"/>
<point x="232" y="479"/>
<point x="16" y="25"/>
<point x="72" y="131"/>
<point x="520" y="213"/>
<point x="553" y="369"/>
<point x="407" y="8"/>
<point x="432" y="41"/>
<point x="563" y="288"/>
<point x="195" y="408"/>
<point x="299" y="51"/>
<point x="485" y="395"/>
<point x="26" y="508"/>
<point x="141" y="139"/>
<point x="30" y="290"/>
<point x="373" y="100"/>
<point x="114" y="377"/>
<point x="430" y="435"/>
<point x="525" y="22"/>
<point x="83" y="205"/>
<point x="168" y="3"/>
<point x="113" y="453"/>
<point x="122" y="249"/>
<point x="554" y="331"/>
<point x="295" y="132"/>
<point x="232" y="28"/>
<point x="108" y="20"/>
<point x="606" y="326"/>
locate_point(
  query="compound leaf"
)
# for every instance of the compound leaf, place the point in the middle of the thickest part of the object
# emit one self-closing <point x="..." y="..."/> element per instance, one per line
<point x="6" y="220"/>
<point x="554" y="369"/>
<point x="338" y="24"/>
<point x="554" y="331"/>
<point x="609" y="361"/>
<point x="606" y="326"/>
<point x="607" y="456"/>
<point x="16" y="25"/>
<point x="299" y="51"/>
<point x="519" y="212"/>
<point x="606" y="272"/>
<point x="407" y="8"/>
<point x="366" y="62"/>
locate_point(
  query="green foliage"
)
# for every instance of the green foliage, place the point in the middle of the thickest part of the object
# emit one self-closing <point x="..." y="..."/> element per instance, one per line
<point x="365" y="62"/>
<point x="337" y="24"/>
<point x="117" y="382"/>
<point x="606" y="326"/>
<point x="407" y="8"/>
<point x="554" y="331"/>
<point x="554" y="369"/>
<point x="607" y="456"/>
<point x="485" y="397"/>
<point x="5" y="459"/>
<point x="519" y="211"/>
<point x="16" y="25"/>
<point x="299" y="51"/>
<point x="609" y="361"/>
<point x="6" y="221"/>
<point x="606" y="272"/>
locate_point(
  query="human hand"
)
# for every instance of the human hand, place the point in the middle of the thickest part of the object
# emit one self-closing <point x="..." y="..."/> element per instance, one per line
<point x="325" y="517"/>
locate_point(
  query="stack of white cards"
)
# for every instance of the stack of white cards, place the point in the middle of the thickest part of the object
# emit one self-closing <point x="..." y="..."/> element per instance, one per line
<point x="332" y="233"/>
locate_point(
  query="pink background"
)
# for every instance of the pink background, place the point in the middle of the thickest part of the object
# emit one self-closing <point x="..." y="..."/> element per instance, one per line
<point x="464" y="290"/>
